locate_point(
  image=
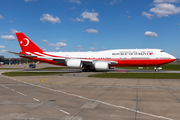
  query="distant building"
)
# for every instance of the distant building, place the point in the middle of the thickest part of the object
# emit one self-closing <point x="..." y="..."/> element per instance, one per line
<point x="18" y="61"/>
<point x="1" y="58"/>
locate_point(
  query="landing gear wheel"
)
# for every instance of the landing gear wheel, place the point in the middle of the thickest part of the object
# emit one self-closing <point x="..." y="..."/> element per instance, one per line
<point x="86" y="69"/>
<point x="156" y="69"/>
<point x="89" y="69"/>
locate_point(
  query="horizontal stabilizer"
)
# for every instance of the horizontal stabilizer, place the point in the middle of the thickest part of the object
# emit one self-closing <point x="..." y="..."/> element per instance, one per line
<point x="22" y="55"/>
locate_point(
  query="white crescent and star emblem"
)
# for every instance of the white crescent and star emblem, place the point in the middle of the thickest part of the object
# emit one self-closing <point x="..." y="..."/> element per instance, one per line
<point x="26" y="43"/>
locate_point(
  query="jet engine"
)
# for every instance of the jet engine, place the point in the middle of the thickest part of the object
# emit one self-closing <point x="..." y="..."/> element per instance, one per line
<point x="74" y="63"/>
<point x="101" y="66"/>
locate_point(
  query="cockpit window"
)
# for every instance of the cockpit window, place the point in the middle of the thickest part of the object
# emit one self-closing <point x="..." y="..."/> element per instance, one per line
<point x="162" y="50"/>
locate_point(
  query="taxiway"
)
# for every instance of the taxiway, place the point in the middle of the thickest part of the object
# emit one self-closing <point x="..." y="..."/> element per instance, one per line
<point x="74" y="96"/>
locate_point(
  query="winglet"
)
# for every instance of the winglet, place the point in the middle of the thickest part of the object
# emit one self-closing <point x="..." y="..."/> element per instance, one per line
<point x="26" y="44"/>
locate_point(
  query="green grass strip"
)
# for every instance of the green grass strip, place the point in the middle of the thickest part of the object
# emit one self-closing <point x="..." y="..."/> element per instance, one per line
<point x="29" y="73"/>
<point x="139" y="75"/>
<point x="164" y="67"/>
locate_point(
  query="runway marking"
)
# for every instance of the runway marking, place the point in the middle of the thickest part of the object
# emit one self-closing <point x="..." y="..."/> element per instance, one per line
<point x="4" y="86"/>
<point x="12" y="90"/>
<point x="62" y="111"/>
<point x="98" y="101"/>
<point x="55" y="83"/>
<point x="22" y="81"/>
<point x="21" y="93"/>
<point x="52" y="83"/>
<point x="36" y="99"/>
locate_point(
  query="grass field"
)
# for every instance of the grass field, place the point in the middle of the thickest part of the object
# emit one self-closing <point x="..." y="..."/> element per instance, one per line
<point x="139" y="75"/>
<point x="172" y="66"/>
<point x="29" y="73"/>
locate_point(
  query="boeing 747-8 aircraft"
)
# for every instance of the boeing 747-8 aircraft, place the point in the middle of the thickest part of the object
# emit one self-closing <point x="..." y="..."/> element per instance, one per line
<point x="99" y="61"/>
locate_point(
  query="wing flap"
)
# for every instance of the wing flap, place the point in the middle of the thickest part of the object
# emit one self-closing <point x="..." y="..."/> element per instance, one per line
<point x="93" y="61"/>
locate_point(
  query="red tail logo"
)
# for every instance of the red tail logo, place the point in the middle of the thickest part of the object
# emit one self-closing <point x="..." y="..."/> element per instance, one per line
<point x="26" y="44"/>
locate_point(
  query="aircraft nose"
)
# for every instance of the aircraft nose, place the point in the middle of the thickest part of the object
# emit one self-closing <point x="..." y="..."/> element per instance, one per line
<point x="172" y="57"/>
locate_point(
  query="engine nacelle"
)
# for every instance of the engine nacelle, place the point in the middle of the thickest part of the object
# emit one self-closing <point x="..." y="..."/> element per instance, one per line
<point x="101" y="66"/>
<point x="74" y="63"/>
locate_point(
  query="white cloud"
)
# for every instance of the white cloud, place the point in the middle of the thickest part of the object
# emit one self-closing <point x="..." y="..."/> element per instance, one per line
<point x="44" y="40"/>
<point x="72" y="8"/>
<point x="165" y="1"/>
<point x="8" y="37"/>
<point x="113" y="2"/>
<point x="75" y="1"/>
<point x="90" y="15"/>
<point x="60" y="44"/>
<point x="57" y="48"/>
<point x="43" y="48"/>
<point x="2" y="46"/>
<point x="92" y="48"/>
<point x="50" y="18"/>
<point x="164" y="9"/>
<point x="80" y="48"/>
<point x="150" y="34"/>
<point x="63" y="40"/>
<point x="3" y="51"/>
<point x="179" y="23"/>
<point x="92" y="31"/>
<point x="103" y="48"/>
<point x="13" y="31"/>
<point x="148" y="15"/>
<point x="127" y="11"/>
<point x="1" y="17"/>
<point x="129" y="17"/>
<point x="57" y="45"/>
<point x="77" y="19"/>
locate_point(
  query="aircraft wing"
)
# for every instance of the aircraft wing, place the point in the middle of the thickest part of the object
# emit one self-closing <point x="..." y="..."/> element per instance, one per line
<point x="93" y="61"/>
<point x="64" y="60"/>
<point x="84" y="61"/>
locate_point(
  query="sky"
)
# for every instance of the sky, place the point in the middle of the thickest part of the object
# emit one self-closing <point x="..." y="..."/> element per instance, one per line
<point x="91" y="25"/>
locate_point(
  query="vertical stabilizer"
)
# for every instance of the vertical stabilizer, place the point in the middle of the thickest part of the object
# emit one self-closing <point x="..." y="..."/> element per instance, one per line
<point x="26" y="44"/>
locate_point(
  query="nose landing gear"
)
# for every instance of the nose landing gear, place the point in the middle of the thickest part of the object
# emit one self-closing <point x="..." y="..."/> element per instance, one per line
<point x="157" y="68"/>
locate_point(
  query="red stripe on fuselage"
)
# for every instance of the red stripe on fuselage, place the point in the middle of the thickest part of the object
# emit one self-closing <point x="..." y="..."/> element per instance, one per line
<point x="121" y="62"/>
<point x="143" y="62"/>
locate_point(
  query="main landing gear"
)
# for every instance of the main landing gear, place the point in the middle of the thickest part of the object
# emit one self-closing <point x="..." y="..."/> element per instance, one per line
<point x="157" y="68"/>
<point x="89" y="69"/>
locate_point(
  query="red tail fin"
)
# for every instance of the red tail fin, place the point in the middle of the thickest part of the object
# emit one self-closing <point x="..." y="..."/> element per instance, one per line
<point x="26" y="44"/>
